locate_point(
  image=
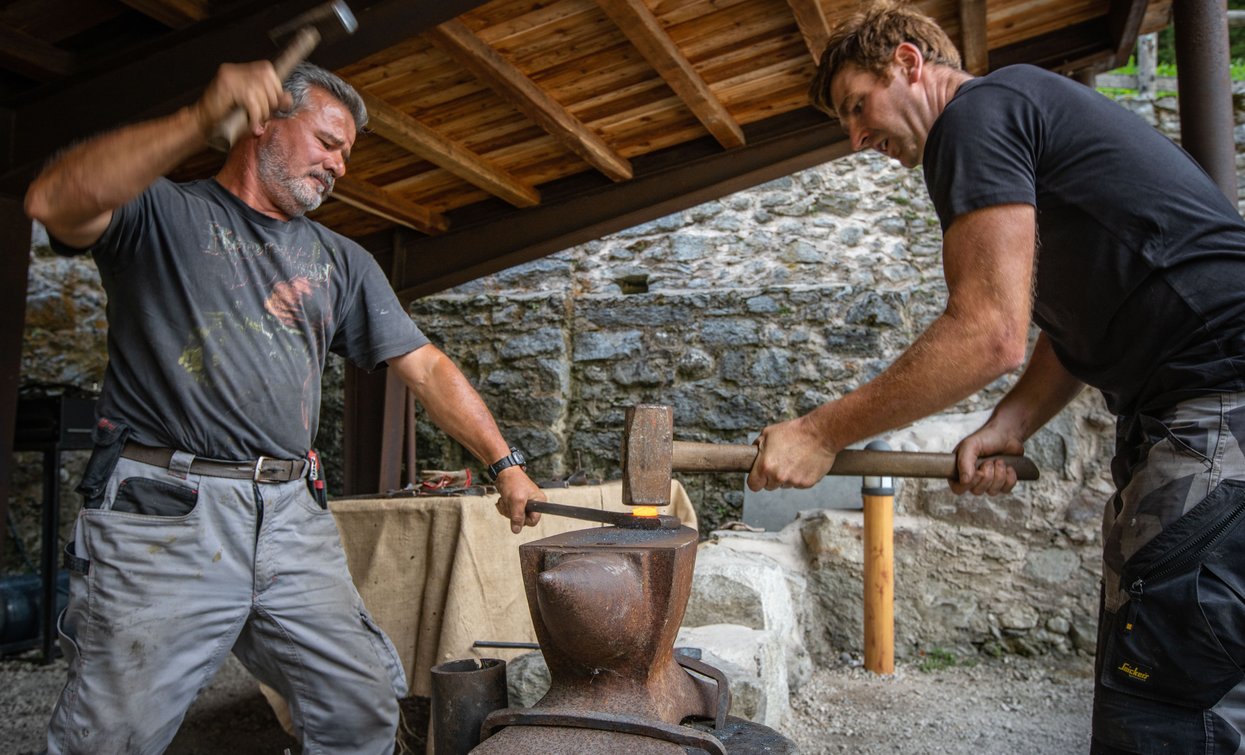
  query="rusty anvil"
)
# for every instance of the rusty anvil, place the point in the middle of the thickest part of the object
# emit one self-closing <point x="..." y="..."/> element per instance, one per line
<point x="650" y="454"/>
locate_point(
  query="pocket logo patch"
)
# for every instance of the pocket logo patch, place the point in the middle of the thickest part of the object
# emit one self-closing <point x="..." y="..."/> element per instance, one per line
<point x="1134" y="671"/>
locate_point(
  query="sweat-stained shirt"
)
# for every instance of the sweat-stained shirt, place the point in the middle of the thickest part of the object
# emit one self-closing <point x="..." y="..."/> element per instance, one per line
<point x="1140" y="281"/>
<point x="220" y="319"/>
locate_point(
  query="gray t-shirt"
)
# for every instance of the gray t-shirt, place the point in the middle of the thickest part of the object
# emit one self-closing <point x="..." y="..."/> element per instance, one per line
<point x="220" y="319"/>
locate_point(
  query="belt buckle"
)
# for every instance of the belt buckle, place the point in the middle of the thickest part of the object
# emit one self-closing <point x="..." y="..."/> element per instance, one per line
<point x="259" y="463"/>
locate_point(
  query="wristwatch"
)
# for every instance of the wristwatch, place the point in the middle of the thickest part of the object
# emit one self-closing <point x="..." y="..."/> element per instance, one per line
<point x="514" y="459"/>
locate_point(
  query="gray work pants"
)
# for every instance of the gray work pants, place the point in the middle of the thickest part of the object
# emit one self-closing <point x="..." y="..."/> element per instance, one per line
<point x="158" y="600"/>
<point x="1171" y="635"/>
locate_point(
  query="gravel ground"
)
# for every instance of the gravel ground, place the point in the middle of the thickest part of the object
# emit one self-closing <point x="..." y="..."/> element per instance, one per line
<point x="1004" y="705"/>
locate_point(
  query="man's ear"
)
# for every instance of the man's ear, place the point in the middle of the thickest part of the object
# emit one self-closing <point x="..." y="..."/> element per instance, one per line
<point x="910" y="60"/>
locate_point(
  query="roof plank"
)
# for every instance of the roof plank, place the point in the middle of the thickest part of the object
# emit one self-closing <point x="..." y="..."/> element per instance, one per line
<point x="408" y="133"/>
<point x="175" y="14"/>
<point x="637" y="22"/>
<point x="388" y="205"/>
<point x="814" y="26"/>
<point x="1124" y="20"/>
<point x="31" y="56"/>
<point x="456" y="40"/>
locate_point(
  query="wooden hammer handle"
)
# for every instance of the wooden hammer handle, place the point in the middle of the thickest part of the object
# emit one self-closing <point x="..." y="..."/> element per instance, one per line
<point x="232" y="125"/>
<point x="713" y="457"/>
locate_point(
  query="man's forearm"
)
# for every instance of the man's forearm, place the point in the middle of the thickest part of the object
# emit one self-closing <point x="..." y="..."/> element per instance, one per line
<point x="1041" y="392"/>
<point x="951" y="360"/>
<point x="451" y="402"/>
<point x="76" y="194"/>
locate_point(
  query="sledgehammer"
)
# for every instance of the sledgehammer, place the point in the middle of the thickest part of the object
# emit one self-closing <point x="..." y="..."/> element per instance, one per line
<point x="650" y="454"/>
<point x="306" y="35"/>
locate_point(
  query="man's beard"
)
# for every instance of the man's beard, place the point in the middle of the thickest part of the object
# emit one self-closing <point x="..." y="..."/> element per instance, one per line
<point x="291" y="193"/>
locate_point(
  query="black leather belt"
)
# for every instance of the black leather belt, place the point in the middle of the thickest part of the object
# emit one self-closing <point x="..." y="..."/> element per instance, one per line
<point x="263" y="469"/>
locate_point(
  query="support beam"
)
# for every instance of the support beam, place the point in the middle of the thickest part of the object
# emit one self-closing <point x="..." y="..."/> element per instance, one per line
<point x="15" y="250"/>
<point x="974" y="45"/>
<point x="413" y="136"/>
<point x="814" y="27"/>
<point x="488" y="238"/>
<point x="1204" y="81"/>
<point x="457" y="41"/>
<point x="640" y="26"/>
<point x="33" y="57"/>
<point x="1073" y="48"/>
<point x="1124" y="19"/>
<point x="390" y="206"/>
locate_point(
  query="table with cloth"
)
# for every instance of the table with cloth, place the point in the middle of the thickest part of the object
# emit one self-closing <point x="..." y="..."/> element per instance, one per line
<point x="439" y="573"/>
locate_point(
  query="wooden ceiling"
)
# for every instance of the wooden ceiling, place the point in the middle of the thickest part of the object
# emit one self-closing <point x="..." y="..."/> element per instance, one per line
<point x="505" y="130"/>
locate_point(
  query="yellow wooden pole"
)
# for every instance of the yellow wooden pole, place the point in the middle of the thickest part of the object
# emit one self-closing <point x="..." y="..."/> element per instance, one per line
<point x="879" y="568"/>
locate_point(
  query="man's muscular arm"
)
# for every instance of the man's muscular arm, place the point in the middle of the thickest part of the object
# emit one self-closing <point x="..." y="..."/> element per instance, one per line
<point x="74" y="197"/>
<point x="454" y="406"/>
<point x="988" y="258"/>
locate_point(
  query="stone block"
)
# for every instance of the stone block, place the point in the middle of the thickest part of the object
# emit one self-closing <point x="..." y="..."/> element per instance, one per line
<point x="754" y="665"/>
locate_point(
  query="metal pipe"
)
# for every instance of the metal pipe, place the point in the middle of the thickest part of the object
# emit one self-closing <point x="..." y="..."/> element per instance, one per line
<point x="1205" y="86"/>
<point x="463" y="694"/>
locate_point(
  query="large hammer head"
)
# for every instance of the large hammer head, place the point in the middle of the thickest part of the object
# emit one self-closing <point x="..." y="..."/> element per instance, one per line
<point x="337" y="15"/>
<point x="647" y="451"/>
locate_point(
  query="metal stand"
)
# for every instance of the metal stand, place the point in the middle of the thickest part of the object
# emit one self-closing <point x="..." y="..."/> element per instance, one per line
<point x="52" y="425"/>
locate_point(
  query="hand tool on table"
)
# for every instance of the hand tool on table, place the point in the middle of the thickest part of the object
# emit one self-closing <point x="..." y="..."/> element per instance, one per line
<point x="650" y="454"/>
<point x="306" y="30"/>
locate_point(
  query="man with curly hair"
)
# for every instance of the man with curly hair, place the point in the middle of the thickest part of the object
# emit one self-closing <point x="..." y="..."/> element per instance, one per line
<point x="1060" y="207"/>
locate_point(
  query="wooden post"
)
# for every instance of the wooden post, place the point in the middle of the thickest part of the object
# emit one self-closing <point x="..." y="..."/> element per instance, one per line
<point x="879" y="556"/>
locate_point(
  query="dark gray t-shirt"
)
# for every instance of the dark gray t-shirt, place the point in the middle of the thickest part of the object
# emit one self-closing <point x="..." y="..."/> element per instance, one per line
<point x="1141" y="259"/>
<point x="220" y="319"/>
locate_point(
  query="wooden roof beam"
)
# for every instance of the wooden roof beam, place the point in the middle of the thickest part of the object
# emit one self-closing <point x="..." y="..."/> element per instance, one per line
<point x="382" y="203"/>
<point x="33" y="57"/>
<point x="413" y="136"/>
<point x="487" y="238"/>
<point x="1124" y="19"/>
<point x="175" y="14"/>
<point x="974" y="46"/>
<point x="640" y="26"/>
<point x="814" y="26"/>
<point x="456" y="40"/>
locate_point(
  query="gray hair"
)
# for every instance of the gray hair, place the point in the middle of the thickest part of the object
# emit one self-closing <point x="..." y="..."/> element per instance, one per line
<point x="307" y="75"/>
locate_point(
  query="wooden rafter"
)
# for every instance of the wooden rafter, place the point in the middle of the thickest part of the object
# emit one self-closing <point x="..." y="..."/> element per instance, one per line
<point x="974" y="46"/>
<point x="32" y="57"/>
<point x="415" y="137"/>
<point x="585" y="207"/>
<point x="456" y="40"/>
<point x="1124" y="20"/>
<point x="176" y="14"/>
<point x="636" y="21"/>
<point x="814" y="26"/>
<point x="390" y="206"/>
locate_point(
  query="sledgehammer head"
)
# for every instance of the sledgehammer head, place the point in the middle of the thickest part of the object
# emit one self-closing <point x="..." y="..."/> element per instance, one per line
<point x="647" y="451"/>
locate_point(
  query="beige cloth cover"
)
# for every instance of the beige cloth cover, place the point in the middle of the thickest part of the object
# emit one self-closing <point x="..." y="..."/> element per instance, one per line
<point x="438" y="574"/>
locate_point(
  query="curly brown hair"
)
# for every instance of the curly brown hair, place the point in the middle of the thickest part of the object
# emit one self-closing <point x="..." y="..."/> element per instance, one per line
<point x="868" y="39"/>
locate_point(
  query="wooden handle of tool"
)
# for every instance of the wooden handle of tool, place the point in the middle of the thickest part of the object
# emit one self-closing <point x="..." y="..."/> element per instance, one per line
<point x="232" y="125"/>
<point x="713" y="457"/>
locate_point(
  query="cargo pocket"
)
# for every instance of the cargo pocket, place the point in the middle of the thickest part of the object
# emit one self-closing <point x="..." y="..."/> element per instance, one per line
<point x="140" y="495"/>
<point x="386" y="654"/>
<point x="1178" y="639"/>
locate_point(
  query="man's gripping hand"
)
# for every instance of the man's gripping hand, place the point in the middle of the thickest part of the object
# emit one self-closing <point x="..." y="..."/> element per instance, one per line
<point x="992" y="477"/>
<point x="254" y="87"/>
<point x="790" y="454"/>
<point x="516" y="489"/>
